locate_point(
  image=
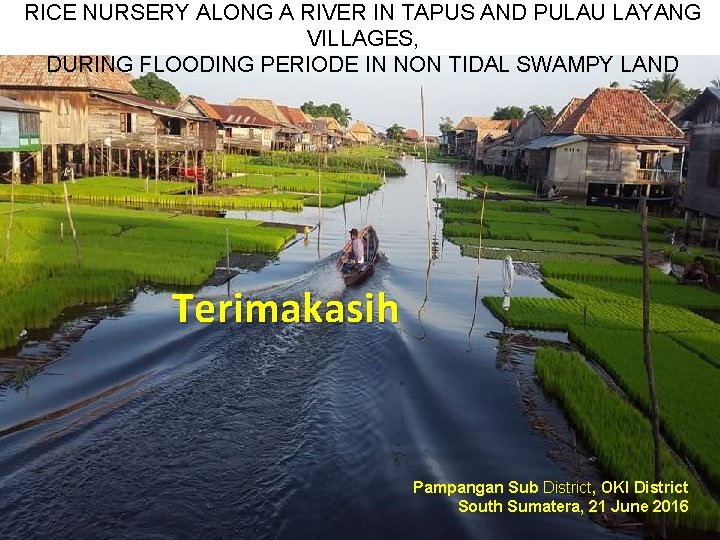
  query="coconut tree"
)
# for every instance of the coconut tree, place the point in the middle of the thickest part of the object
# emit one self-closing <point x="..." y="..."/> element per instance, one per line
<point x="715" y="82"/>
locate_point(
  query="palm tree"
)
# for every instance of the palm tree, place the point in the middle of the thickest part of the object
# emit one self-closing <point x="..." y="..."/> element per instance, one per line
<point x="715" y="82"/>
<point x="669" y="88"/>
<point x="395" y="132"/>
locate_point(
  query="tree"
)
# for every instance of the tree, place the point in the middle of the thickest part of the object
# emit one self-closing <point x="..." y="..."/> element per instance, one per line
<point x="395" y="132"/>
<point x="337" y="111"/>
<point x="614" y="84"/>
<point x="446" y="124"/>
<point x="667" y="88"/>
<point x="715" y="82"/>
<point x="546" y="112"/>
<point x="510" y="112"/>
<point x="150" y="86"/>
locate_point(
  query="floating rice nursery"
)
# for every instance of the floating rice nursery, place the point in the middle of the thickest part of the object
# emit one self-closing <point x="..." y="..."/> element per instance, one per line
<point x="119" y="249"/>
<point x="620" y="435"/>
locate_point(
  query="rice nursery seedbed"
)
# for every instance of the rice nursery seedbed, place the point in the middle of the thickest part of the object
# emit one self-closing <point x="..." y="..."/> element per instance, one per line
<point x="128" y="191"/>
<point x="610" y="271"/>
<point x="292" y="161"/>
<point x="496" y="184"/>
<point x="119" y="248"/>
<point x="688" y="388"/>
<point x="620" y="435"/>
<point x="468" y="248"/>
<point x="98" y="188"/>
<point x="306" y="183"/>
<point x="707" y="345"/>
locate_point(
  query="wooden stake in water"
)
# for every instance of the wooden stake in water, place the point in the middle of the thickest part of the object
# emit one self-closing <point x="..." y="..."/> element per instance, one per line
<point x="10" y="221"/>
<point x="647" y="357"/>
<point x="62" y="231"/>
<point x="479" y="258"/>
<point x="72" y="225"/>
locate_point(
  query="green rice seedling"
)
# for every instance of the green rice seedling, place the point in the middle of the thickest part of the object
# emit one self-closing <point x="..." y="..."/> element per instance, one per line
<point x="292" y="161"/>
<point x="496" y="184"/>
<point x="705" y="344"/>
<point x="602" y="272"/>
<point x="688" y="388"/>
<point x="119" y="249"/>
<point x="620" y="435"/>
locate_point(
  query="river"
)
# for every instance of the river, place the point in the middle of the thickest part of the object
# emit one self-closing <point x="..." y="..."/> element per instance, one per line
<point x="147" y="428"/>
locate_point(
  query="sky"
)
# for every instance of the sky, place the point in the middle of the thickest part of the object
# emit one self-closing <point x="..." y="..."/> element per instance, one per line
<point x="382" y="99"/>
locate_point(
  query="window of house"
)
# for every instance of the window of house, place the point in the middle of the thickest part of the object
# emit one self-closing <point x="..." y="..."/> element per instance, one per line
<point x="228" y="133"/>
<point x="251" y="133"/>
<point x="614" y="159"/>
<point x="713" y="178"/>
<point x="173" y="126"/>
<point x="63" y="114"/>
<point x="128" y="122"/>
<point x="504" y="153"/>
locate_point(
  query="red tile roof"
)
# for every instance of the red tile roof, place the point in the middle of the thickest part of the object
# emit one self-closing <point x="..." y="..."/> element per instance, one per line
<point x="620" y="112"/>
<point x="205" y="108"/>
<point x="412" y="134"/>
<point x="295" y="116"/>
<point x="566" y="111"/>
<point x="31" y="71"/>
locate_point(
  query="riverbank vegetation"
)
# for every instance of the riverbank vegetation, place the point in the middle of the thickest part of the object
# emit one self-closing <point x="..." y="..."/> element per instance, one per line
<point x="589" y="257"/>
<point x="118" y="249"/>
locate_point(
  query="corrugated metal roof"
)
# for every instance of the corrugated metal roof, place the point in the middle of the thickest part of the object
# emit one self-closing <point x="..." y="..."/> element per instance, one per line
<point x="154" y="106"/>
<point x="553" y="141"/>
<point x="7" y="104"/>
<point x="31" y="71"/>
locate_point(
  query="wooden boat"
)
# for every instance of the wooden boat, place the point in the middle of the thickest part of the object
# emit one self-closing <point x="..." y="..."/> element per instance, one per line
<point x="371" y="242"/>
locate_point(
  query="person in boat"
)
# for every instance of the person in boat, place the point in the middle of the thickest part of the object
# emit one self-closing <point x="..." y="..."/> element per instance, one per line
<point x="553" y="192"/>
<point x="695" y="271"/>
<point x="356" y="256"/>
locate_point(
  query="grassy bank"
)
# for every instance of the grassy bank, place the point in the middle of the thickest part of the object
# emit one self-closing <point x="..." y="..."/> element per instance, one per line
<point x="620" y="435"/>
<point x="119" y="248"/>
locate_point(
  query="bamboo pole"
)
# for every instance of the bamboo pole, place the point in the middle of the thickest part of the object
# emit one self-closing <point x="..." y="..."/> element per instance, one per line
<point x="10" y="222"/>
<point x="647" y="356"/>
<point x="72" y="225"/>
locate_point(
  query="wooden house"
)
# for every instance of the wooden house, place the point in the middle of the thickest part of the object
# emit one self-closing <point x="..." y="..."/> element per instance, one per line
<point x="286" y="135"/>
<point x="328" y="133"/>
<point x="19" y="139"/>
<point x="412" y="136"/>
<point x="505" y="155"/>
<point x="302" y="126"/>
<point x="93" y="121"/>
<point x="361" y="132"/>
<point x="613" y="144"/>
<point x="472" y="132"/>
<point x="702" y="192"/>
<point x="240" y="129"/>
<point x="138" y="136"/>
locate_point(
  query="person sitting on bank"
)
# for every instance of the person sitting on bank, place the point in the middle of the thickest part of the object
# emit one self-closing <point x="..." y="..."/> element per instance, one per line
<point x="356" y="255"/>
<point x="695" y="271"/>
